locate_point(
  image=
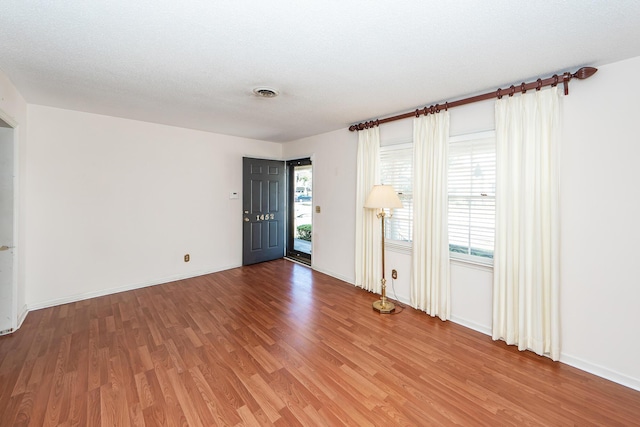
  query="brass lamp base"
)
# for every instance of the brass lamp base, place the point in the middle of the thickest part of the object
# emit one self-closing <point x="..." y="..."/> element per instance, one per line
<point x="384" y="307"/>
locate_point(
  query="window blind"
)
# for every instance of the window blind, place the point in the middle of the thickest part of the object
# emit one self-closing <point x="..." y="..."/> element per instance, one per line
<point x="472" y="178"/>
<point x="396" y="169"/>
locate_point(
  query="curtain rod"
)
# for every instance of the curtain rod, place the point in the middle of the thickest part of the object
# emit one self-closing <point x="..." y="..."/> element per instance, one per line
<point x="581" y="74"/>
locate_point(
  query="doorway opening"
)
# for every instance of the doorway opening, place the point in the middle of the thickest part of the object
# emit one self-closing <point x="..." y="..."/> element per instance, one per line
<point x="300" y="210"/>
<point x="8" y="302"/>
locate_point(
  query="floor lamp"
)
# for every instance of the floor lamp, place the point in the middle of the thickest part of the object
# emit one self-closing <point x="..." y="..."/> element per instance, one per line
<point x="383" y="197"/>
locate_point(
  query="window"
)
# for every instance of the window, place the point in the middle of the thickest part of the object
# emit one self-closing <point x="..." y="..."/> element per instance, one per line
<point x="472" y="195"/>
<point x="396" y="169"/>
<point x="472" y="181"/>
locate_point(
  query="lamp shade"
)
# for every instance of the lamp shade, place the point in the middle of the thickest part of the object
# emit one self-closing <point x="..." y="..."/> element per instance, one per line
<point x="382" y="196"/>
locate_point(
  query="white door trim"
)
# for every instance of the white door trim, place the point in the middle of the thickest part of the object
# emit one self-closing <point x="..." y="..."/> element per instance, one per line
<point x="16" y="218"/>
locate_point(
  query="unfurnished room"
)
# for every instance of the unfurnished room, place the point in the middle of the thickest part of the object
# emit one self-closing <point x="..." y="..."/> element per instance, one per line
<point x="258" y="213"/>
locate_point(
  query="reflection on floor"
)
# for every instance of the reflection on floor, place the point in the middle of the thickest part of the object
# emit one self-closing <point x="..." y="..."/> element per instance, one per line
<point x="302" y="246"/>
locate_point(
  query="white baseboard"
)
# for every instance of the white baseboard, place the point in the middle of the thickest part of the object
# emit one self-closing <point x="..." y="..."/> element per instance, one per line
<point x="600" y="371"/>
<point x="334" y="275"/>
<point x="471" y="325"/>
<point x="576" y="362"/>
<point x="22" y="315"/>
<point x="109" y="291"/>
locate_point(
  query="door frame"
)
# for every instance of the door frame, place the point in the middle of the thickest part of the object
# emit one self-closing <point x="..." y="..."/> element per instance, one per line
<point x="16" y="218"/>
<point x="291" y="253"/>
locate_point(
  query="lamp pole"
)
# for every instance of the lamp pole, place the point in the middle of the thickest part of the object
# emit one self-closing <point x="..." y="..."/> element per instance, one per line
<point x="382" y="305"/>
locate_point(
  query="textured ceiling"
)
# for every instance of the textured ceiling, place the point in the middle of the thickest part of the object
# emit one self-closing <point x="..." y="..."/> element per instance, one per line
<point x="335" y="62"/>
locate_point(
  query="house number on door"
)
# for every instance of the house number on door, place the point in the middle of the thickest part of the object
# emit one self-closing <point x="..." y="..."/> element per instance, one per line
<point x="264" y="217"/>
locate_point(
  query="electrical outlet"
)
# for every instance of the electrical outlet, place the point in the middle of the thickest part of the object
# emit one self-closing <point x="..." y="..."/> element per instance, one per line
<point x="394" y="274"/>
<point x="187" y="258"/>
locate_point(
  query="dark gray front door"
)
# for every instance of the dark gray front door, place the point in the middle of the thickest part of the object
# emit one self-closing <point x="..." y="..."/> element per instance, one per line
<point x="263" y="210"/>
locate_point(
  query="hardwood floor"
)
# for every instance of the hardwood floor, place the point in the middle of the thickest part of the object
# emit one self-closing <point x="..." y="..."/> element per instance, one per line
<point x="279" y="344"/>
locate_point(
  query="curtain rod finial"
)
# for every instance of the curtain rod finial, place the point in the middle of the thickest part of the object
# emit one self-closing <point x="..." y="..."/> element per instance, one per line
<point x="585" y="73"/>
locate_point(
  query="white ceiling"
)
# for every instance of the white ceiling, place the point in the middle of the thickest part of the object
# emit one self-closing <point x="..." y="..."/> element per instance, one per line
<point x="194" y="63"/>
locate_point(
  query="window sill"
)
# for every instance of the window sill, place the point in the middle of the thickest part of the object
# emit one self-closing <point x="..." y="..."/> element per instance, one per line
<point x="476" y="265"/>
<point x="398" y="247"/>
<point x="406" y="248"/>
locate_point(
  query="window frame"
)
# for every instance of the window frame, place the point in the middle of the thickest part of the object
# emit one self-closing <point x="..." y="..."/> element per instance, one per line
<point x="397" y="245"/>
<point x="405" y="247"/>
<point x="473" y="259"/>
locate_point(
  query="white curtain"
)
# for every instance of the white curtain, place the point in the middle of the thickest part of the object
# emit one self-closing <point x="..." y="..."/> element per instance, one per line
<point x="526" y="259"/>
<point x="368" y="233"/>
<point x="430" y="286"/>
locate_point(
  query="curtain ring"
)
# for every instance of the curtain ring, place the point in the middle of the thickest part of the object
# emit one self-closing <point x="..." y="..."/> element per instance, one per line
<point x="426" y="111"/>
<point x="523" y="88"/>
<point x="417" y="113"/>
<point x="437" y="108"/>
<point x="377" y="123"/>
<point x="539" y="81"/>
<point x="555" y="80"/>
<point x="446" y="106"/>
<point x="512" y="90"/>
<point x="499" y="93"/>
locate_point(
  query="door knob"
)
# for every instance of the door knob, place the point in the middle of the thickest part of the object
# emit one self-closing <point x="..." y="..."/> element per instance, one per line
<point x="246" y="219"/>
<point x="4" y="248"/>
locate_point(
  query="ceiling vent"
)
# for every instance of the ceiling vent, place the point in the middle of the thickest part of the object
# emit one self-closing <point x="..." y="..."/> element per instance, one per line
<point x="265" y="92"/>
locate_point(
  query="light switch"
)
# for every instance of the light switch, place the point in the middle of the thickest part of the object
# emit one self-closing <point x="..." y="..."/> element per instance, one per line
<point x="317" y="209"/>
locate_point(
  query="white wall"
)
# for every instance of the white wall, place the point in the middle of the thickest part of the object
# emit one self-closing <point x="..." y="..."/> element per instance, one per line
<point x="334" y="190"/>
<point x="115" y="204"/>
<point x="600" y="224"/>
<point x="599" y="213"/>
<point x="13" y="110"/>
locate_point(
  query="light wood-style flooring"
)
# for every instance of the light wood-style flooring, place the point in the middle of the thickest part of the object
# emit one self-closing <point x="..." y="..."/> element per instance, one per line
<point x="279" y="344"/>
